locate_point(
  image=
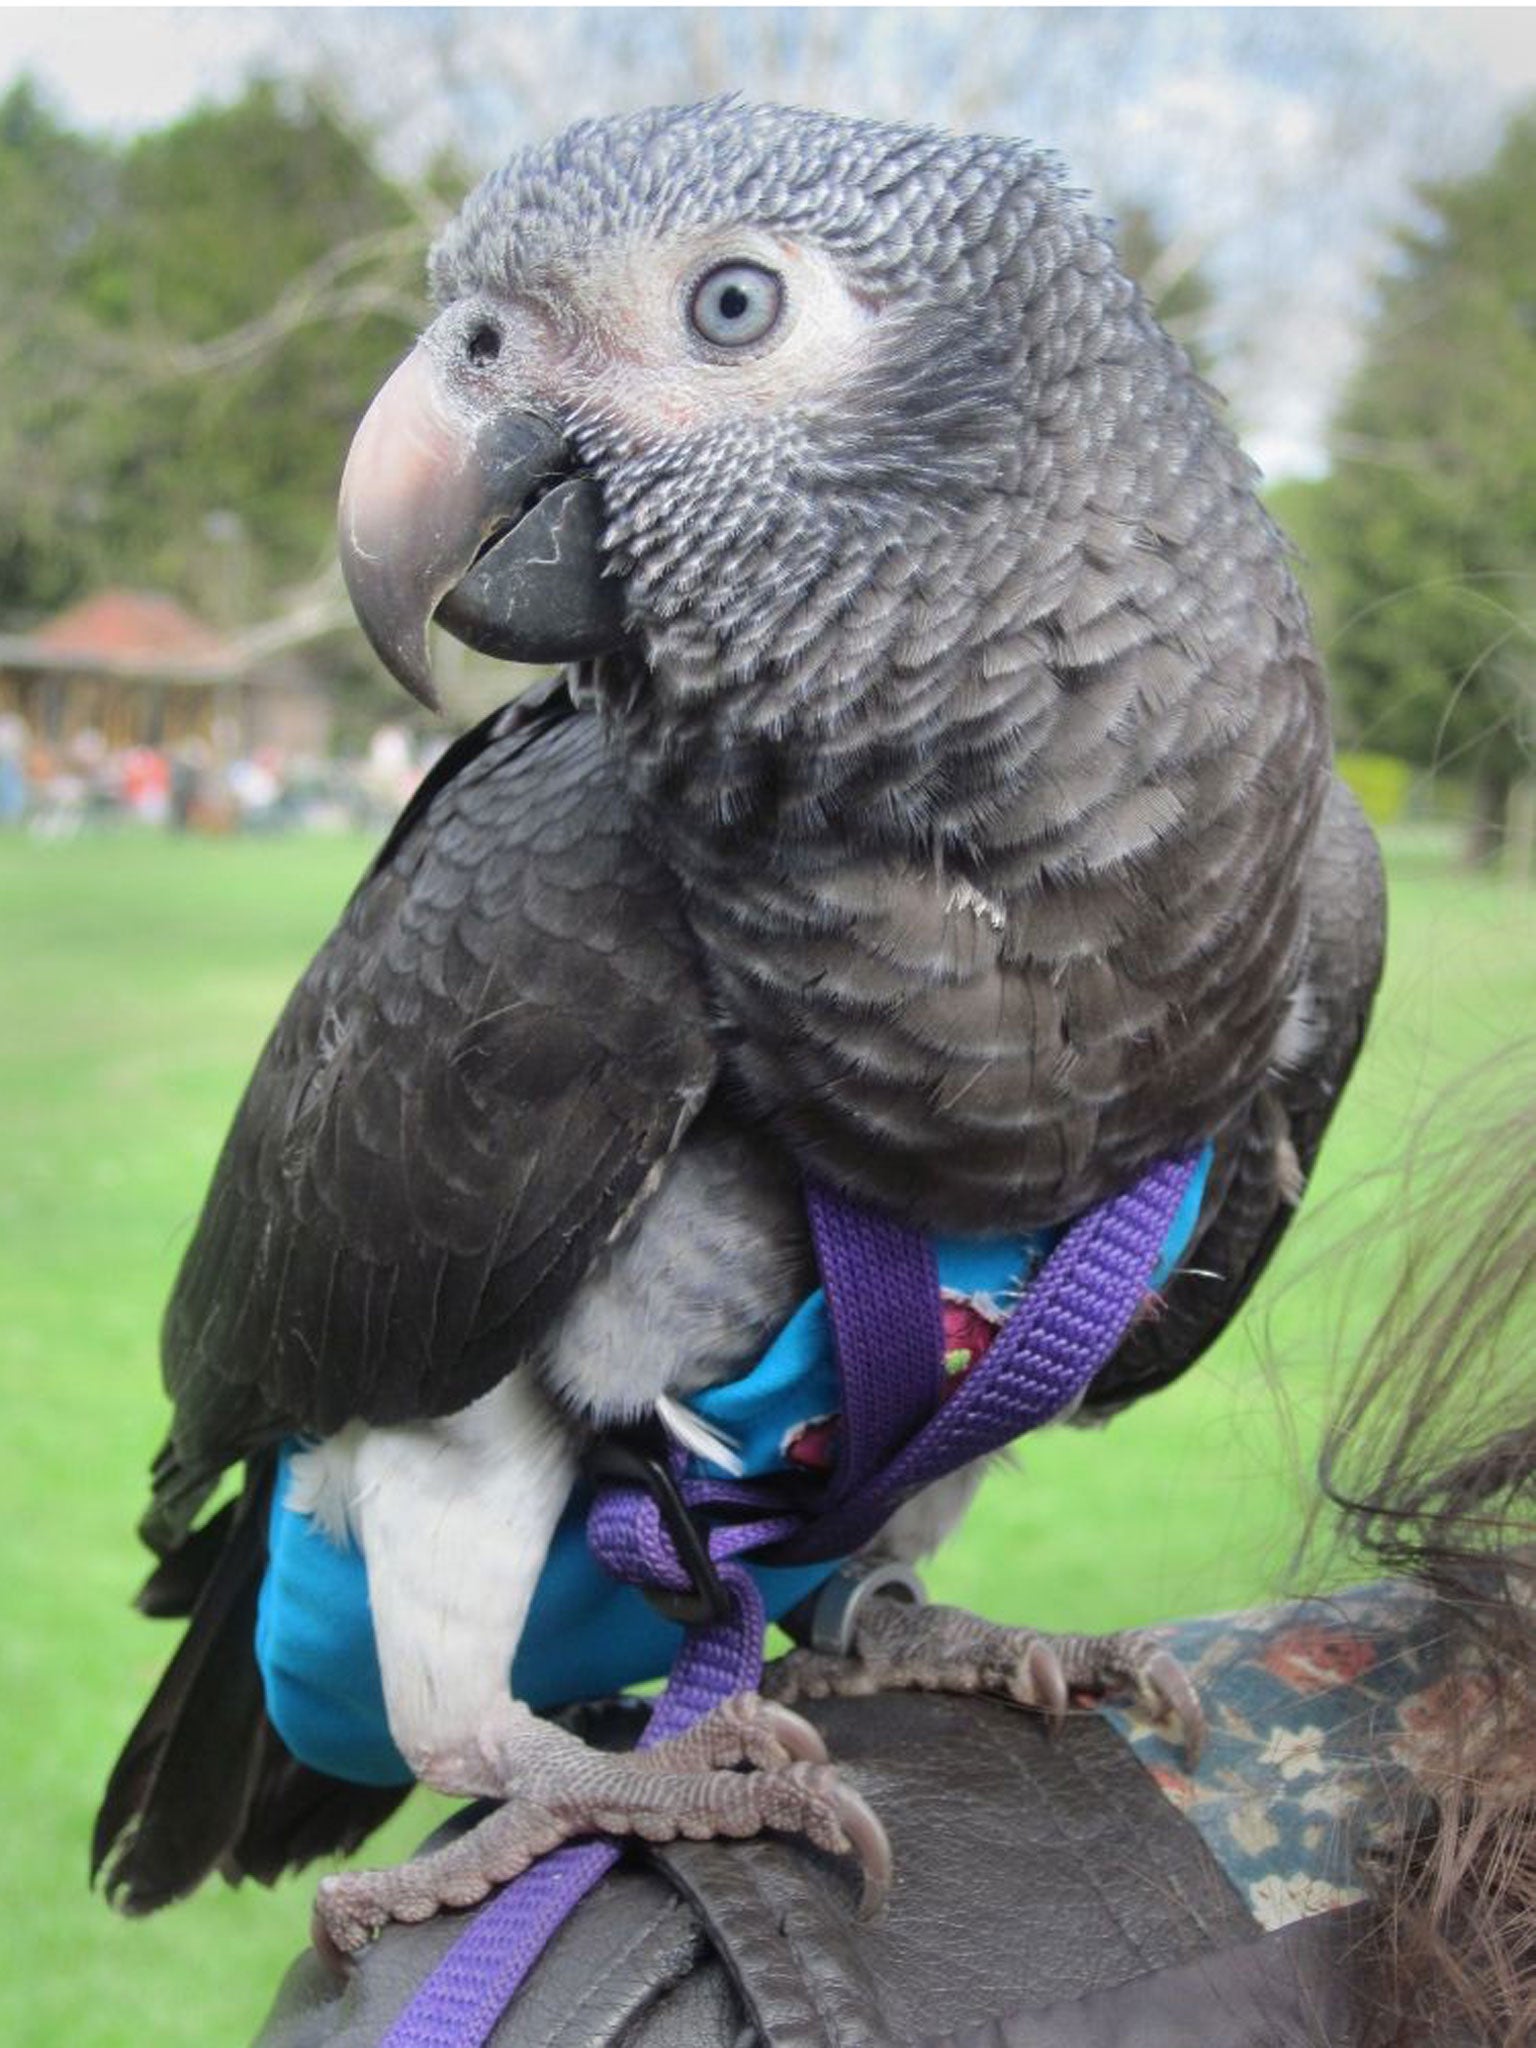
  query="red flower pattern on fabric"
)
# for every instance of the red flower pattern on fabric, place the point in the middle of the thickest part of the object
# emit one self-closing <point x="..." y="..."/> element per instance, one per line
<point x="1318" y="1659"/>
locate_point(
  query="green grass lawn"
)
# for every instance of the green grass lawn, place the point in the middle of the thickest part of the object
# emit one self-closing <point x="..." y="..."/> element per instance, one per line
<point x="138" y="977"/>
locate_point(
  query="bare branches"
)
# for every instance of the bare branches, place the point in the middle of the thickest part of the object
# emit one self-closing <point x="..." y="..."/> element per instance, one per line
<point x="310" y="614"/>
<point x="358" y="277"/>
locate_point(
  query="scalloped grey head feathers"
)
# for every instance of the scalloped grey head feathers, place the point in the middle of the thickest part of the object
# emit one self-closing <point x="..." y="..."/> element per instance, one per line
<point x="908" y="210"/>
<point x="1009" y="356"/>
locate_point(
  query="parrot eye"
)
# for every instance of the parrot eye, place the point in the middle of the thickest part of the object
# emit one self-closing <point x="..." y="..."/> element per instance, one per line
<point x="736" y="304"/>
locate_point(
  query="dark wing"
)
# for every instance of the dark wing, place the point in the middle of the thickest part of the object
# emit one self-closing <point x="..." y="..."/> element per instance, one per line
<point x="1248" y="1201"/>
<point x="463" y="1096"/>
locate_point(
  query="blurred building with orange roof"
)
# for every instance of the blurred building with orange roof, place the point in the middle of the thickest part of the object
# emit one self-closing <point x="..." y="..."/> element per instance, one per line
<point x="139" y="669"/>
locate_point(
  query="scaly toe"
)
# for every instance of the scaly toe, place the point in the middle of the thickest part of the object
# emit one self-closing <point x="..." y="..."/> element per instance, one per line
<point x="944" y="1649"/>
<point x="339" y="1926"/>
<point x="337" y="1960"/>
<point x="818" y="1675"/>
<point x="688" y="1786"/>
<point x="745" y="1729"/>
<point x="353" y="1906"/>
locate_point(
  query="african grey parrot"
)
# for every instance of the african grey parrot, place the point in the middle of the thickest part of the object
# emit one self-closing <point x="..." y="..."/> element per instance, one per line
<point x="937" y="799"/>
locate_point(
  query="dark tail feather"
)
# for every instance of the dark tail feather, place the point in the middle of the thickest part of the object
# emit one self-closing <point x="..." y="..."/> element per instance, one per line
<point x="179" y="1793"/>
<point x="178" y="1491"/>
<point x="203" y="1782"/>
<point x="171" y="1591"/>
<point x="298" y="1814"/>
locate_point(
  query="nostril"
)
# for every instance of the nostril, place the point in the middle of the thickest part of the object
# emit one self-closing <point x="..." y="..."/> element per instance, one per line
<point x="483" y="345"/>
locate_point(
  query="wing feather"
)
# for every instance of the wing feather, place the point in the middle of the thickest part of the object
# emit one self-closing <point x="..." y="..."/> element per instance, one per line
<point x="468" y="1087"/>
<point x="1248" y="1205"/>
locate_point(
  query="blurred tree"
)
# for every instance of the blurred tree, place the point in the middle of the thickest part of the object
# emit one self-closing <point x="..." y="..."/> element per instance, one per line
<point x="54" y="187"/>
<point x="1423" y="536"/>
<point x="259" y="277"/>
<point x="191" y="328"/>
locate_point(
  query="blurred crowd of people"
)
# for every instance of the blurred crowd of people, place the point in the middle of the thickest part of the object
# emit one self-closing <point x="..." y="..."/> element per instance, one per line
<point x="55" y="790"/>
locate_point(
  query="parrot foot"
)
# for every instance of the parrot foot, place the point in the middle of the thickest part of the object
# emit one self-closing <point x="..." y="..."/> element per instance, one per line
<point x="897" y="1647"/>
<point x="689" y="1786"/>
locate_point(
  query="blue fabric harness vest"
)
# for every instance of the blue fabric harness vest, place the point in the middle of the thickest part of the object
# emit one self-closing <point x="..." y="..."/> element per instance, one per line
<point x="587" y="1635"/>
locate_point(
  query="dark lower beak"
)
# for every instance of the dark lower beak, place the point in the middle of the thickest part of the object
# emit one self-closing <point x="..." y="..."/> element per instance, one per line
<point x="477" y="519"/>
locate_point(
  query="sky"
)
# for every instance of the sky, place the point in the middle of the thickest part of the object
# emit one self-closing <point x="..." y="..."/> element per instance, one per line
<point x="125" y="68"/>
<point x="1277" y="147"/>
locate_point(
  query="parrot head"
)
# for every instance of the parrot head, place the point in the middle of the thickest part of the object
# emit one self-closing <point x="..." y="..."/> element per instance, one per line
<point x="736" y="387"/>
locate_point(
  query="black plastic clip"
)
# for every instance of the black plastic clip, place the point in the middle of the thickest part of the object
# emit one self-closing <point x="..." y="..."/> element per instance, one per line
<point x="638" y="1457"/>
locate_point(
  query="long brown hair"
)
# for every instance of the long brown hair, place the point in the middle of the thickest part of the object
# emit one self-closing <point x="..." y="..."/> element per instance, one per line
<point x="1432" y="1461"/>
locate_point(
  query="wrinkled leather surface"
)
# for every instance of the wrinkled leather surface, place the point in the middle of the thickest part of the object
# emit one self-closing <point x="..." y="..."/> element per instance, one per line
<point x="1285" y="1990"/>
<point x="1046" y="1893"/>
<point x="604" y="1970"/>
<point x="1029" y="1871"/>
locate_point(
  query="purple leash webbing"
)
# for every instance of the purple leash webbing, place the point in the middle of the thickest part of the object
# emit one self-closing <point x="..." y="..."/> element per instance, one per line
<point x="884" y="1306"/>
<point x="883" y="1303"/>
<point x="460" y="2002"/>
<point x="1069" y="1322"/>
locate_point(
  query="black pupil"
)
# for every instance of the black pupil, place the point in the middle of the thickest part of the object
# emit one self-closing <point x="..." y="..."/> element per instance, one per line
<point x="733" y="302"/>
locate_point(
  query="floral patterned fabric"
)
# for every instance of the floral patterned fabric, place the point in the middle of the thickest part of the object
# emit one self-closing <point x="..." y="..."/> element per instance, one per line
<point x="1308" y="1703"/>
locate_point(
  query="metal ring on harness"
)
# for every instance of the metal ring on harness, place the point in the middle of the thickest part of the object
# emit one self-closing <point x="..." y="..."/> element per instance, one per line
<point x="835" y="1608"/>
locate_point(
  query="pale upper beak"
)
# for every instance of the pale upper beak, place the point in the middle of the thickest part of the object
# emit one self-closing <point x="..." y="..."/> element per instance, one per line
<point x="469" y="511"/>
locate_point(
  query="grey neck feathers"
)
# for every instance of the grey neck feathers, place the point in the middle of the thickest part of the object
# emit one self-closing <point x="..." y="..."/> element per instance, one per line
<point x="1009" y="671"/>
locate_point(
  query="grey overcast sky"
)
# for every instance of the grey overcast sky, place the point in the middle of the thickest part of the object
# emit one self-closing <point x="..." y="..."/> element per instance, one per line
<point x="1279" y="146"/>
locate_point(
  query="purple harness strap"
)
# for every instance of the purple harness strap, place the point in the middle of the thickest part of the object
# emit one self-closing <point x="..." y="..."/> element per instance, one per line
<point x="462" y="1999"/>
<point x="1067" y="1325"/>
<point x="898" y="1435"/>
<point x="882" y="1289"/>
